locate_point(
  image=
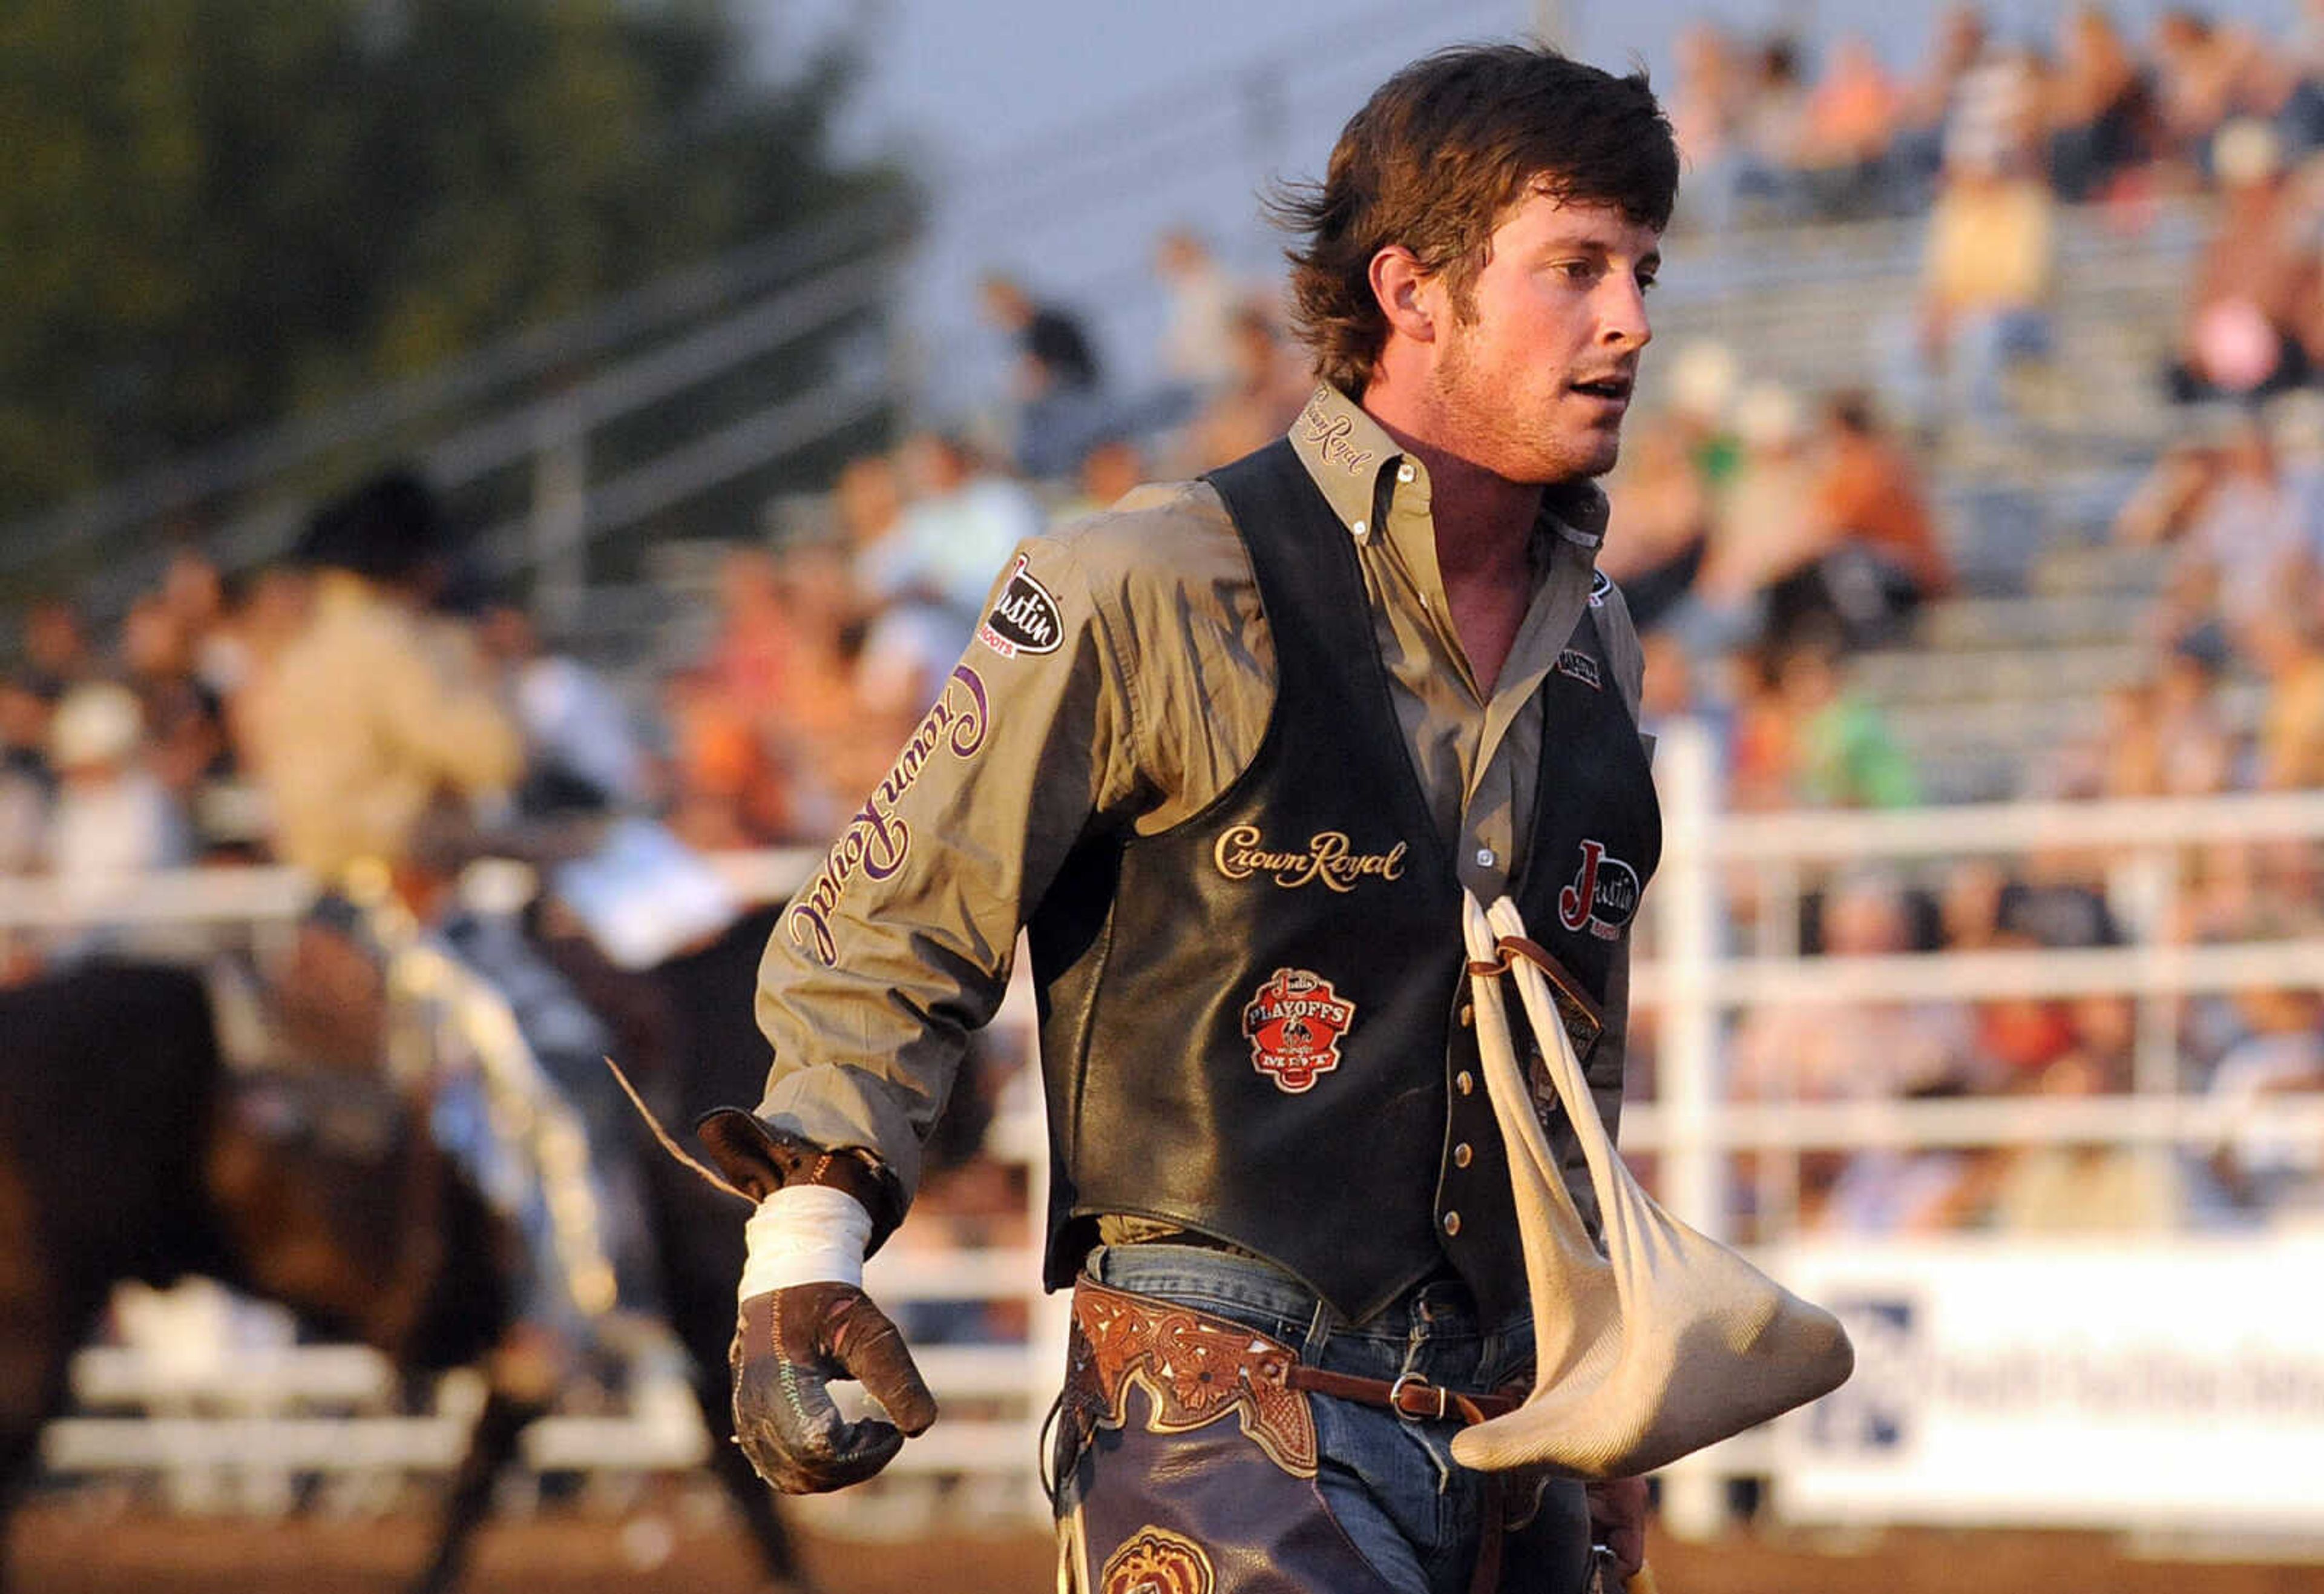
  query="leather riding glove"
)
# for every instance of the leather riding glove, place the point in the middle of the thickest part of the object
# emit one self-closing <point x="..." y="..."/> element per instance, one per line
<point x="790" y="1344"/>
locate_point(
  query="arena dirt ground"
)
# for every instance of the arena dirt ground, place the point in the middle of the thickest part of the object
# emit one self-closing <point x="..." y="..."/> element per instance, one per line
<point x="68" y="1550"/>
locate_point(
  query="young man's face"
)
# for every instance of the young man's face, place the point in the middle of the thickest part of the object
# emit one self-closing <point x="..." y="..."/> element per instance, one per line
<point x="1533" y="384"/>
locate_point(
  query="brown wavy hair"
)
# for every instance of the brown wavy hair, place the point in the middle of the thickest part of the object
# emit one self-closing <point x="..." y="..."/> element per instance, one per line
<point x="1438" y="157"/>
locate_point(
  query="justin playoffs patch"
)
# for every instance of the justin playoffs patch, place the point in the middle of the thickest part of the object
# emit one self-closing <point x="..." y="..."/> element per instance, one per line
<point x="1293" y="1024"/>
<point x="1026" y="619"/>
<point x="1598" y="588"/>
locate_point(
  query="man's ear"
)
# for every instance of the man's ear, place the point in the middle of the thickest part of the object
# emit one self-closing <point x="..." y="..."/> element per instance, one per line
<point x="1402" y="286"/>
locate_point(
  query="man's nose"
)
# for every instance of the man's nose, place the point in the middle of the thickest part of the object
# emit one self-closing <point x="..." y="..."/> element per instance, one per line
<point x="1624" y="322"/>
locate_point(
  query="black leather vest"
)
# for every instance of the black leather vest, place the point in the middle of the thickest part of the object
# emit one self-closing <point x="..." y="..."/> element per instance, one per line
<point x="1254" y="1024"/>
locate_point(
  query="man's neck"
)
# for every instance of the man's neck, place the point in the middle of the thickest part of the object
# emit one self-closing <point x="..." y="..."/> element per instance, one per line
<point x="1484" y="523"/>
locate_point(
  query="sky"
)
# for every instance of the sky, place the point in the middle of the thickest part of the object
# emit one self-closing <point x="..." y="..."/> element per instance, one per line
<point x="1058" y="137"/>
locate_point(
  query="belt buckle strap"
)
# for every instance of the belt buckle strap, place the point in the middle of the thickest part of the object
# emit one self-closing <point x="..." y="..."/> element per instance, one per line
<point x="1413" y="1384"/>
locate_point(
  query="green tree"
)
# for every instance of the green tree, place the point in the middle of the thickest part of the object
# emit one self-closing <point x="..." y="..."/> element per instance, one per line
<point x="216" y="213"/>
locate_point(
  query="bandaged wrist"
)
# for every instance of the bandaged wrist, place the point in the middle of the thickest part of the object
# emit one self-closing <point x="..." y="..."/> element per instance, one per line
<point x="805" y="1234"/>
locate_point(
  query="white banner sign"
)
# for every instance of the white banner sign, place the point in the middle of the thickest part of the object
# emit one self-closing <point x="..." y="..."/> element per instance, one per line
<point x="2177" y="1384"/>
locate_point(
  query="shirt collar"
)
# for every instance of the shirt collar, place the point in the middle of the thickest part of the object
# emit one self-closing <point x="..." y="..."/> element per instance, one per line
<point x="1345" y="451"/>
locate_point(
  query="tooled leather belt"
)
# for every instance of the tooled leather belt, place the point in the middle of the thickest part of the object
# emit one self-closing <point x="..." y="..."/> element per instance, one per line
<point x="1197" y="1369"/>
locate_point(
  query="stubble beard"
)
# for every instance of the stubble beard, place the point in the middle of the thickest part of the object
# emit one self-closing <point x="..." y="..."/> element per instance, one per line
<point x="1484" y="428"/>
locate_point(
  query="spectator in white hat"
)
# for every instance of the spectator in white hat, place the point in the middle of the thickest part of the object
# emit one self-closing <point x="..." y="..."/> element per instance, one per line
<point x="112" y="818"/>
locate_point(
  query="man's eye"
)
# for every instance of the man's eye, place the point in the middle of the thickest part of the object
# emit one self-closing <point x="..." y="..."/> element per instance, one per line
<point x="1647" y="281"/>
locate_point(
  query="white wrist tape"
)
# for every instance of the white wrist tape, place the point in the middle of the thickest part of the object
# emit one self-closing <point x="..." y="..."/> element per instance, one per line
<point x="805" y="1234"/>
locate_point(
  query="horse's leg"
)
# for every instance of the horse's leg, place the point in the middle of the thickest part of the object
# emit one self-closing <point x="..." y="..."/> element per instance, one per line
<point x="32" y="1391"/>
<point x="41" y="1322"/>
<point x="18" y="1439"/>
<point x="492" y="1445"/>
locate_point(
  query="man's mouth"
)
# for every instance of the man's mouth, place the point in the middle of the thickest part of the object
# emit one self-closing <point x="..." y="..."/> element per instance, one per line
<point x="1614" y="388"/>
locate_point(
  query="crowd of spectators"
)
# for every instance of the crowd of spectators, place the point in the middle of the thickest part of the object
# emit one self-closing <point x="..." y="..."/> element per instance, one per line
<point x="1988" y="137"/>
<point x="1760" y="554"/>
<point x="2090" y="111"/>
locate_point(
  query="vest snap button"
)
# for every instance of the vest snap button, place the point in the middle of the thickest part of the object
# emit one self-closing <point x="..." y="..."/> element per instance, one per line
<point x="1463" y="1083"/>
<point x="1452" y="1223"/>
<point x="1468" y="1014"/>
<point x="1460" y="1154"/>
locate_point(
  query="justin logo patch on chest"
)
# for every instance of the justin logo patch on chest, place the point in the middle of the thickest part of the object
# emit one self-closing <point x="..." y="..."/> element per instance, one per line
<point x="1603" y="897"/>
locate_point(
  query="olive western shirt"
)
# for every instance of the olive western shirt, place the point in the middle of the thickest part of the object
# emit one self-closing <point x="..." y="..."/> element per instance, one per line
<point x="1125" y="679"/>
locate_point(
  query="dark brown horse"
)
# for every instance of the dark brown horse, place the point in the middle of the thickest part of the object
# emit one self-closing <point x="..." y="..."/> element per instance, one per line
<point x="128" y="1151"/>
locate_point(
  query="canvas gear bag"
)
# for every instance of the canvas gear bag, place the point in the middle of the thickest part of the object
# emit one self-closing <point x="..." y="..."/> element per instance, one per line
<point x="1666" y="1343"/>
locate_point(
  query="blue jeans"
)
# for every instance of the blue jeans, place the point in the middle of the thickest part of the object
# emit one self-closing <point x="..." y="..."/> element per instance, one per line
<point x="1391" y="1482"/>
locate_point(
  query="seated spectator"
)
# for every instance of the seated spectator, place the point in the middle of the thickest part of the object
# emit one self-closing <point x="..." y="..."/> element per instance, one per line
<point x="1986" y="275"/>
<point x="1705" y="377"/>
<point x="581" y="751"/>
<point x="1968" y="907"/>
<point x="1850" y="117"/>
<point x="185" y="720"/>
<point x="2301" y="59"/>
<point x="1763" y="750"/>
<point x="963" y="522"/>
<point x="749" y="650"/>
<point x="2194" y="748"/>
<point x="1845" y="756"/>
<point x="2199" y="71"/>
<point x="2099" y="108"/>
<point x="1664" y="514"/>
<point x="112" y="818"/>
<point x="815" y="725"/>
<point x="2282" y="1052"/>
<point x="27" y="784"/>
<point x="1199" y="356"/>
<point x="2255" y="286"/>
<point x="1111" y="468"/>
<point x="1057" y="386"/>
<point x="868" y="501"/>
<point x="1995" y="121"/>
<point x="2081" y="1189"/>
<point x="1772" y="134"/>
<point x="2251" y="535"/>
<point x="1886" y="560"/>
<point x="1268" y="385"/>
<point x="1925" y="103"/>
<point x="2171" y="497"/>
<point x="2288" y="647"/>
<point x="1762" y="530"/>
<point x="1852" y="1051"/>
<point x="726" y="789"/>
<point x="57" y="654"/>
<point x="910" y="637"/>
<point x="1706" y="106"/>
<point x="195" y="595"/>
